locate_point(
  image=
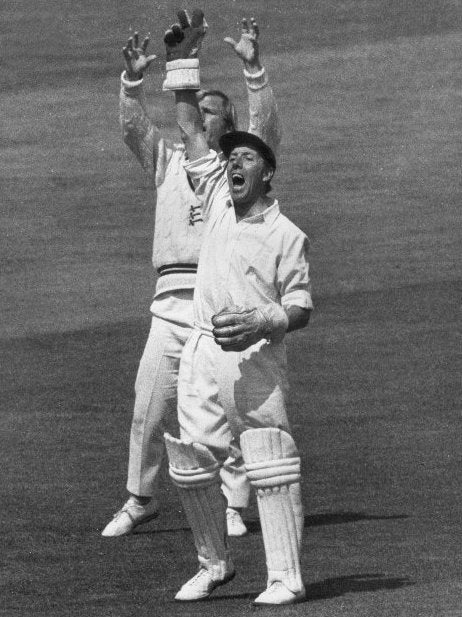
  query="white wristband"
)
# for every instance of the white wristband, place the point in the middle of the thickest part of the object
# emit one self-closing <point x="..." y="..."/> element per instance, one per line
<point x="256" y="81"/>
<point x="182" y="74"/>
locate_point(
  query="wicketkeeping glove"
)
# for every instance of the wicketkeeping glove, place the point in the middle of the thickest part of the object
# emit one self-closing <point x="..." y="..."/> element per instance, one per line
<point x="182" y="43"/>
<point x="236" y="328"/>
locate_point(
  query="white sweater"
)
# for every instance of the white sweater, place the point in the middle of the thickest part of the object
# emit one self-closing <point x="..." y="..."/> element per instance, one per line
<point x="178" y="221"/>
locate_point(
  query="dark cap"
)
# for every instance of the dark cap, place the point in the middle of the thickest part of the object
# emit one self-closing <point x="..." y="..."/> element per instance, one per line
<point x="232" y="140"/>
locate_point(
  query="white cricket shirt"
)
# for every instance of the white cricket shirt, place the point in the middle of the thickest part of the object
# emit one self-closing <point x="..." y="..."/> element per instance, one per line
<point x="247" y="263"/>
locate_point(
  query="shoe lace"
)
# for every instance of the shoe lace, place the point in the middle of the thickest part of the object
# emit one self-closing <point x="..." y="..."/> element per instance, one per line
<point x="119" y="513"/>
<point x="275" y="587"/>
<point x="196" y="579"/>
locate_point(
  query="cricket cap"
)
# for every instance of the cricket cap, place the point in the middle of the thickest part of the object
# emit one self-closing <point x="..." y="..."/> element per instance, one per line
<point x="232" y="140"/>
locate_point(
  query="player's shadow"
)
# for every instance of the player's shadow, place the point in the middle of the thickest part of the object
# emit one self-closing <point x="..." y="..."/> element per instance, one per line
<point x="356" y="583"/>
<point x="311" y="520"/>
<point x="334" y="587"/>
<point x="333" y="518"/>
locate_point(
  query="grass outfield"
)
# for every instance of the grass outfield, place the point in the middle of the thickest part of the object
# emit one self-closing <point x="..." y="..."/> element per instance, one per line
<point x="370" y="97"/>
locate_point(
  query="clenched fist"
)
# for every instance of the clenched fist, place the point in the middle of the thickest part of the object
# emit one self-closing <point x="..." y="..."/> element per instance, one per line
<point x="236" y="328"/>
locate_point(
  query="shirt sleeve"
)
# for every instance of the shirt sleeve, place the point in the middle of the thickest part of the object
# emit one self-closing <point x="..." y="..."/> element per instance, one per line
<point x="210" y="184"/>
<point x="263" y="111"/>
<point x="139" y="133"/>
<point x="293" y="273"/>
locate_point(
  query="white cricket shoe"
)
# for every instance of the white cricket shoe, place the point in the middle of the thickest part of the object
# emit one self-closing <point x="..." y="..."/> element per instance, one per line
<point x="234" y="523"/>
<point x="201" y="585"/>
<point x="277" y="593"/>
<point x="130" y="516"/>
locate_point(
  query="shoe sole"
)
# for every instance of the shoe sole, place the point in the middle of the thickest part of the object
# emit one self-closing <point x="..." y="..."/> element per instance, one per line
<point x="217" y="584"/>
<point x="296" y="600"/>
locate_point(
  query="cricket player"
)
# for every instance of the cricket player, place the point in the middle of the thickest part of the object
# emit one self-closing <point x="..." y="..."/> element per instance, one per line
<point x="252" y="287"/>
<point x="177" y="239"/>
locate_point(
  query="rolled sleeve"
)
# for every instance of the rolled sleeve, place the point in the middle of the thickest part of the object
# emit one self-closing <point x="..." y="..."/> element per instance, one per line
<point x="293" y="274"/>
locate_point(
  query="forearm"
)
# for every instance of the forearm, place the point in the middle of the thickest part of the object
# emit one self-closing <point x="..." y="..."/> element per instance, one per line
<point x="138" y="131"/>
<point x="263" y="111"/>
<point x="190" y="123"/>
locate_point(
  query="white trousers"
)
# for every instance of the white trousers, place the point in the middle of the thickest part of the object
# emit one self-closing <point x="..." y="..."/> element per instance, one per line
<point x="221" y="394"/>
<point x="156" y="397"/>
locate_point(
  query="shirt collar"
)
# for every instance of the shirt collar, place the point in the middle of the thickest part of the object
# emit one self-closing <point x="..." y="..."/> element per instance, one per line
<point x="268" y="215"/>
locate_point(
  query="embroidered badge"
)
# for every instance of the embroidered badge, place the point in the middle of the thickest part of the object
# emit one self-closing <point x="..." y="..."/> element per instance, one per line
<point x="195" y="214"/>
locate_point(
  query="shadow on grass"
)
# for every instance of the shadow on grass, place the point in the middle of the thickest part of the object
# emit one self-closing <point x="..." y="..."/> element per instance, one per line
<point x="357" y="583"/>
<point x="334" y="518"/>
<point x="313" y="520"/>
<point x="335" y="587"/>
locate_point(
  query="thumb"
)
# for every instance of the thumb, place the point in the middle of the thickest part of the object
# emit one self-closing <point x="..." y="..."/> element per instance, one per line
<point x="230" y="41"/>
<point x="150" y="59"/>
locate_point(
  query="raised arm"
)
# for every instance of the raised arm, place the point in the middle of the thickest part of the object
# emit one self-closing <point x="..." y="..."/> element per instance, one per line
<point x="182" y="43"/>
<point x="263" y="112"/>
<point x="139" y="133"/>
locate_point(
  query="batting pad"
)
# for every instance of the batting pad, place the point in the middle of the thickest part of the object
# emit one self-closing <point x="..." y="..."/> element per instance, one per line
<point x="273" y="468"/>
<point x="195" y="472"/>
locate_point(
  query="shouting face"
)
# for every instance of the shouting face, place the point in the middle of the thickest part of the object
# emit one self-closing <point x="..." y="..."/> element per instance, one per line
<point x="248" y="175"/>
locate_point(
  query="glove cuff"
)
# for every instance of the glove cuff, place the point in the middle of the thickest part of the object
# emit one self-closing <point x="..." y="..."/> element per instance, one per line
<point x="276" y="321"/>
<point x="182" y="74"/>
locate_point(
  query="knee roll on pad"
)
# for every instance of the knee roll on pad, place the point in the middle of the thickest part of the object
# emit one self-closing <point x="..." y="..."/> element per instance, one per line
<point x="271" y="457"/>
<point x="191" y="465"/>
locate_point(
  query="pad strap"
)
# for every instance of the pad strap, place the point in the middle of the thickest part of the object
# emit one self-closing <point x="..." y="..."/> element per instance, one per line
<point x="266" y="474"/>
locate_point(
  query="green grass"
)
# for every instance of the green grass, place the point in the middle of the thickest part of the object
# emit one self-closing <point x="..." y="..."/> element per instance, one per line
<point x="369" y="96"/>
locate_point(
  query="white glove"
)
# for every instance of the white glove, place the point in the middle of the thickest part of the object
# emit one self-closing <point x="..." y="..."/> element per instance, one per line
<point x="237" y="328"/>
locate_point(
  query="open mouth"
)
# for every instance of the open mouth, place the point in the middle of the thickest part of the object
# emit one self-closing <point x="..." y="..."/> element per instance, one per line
<point x="237" y="180"/>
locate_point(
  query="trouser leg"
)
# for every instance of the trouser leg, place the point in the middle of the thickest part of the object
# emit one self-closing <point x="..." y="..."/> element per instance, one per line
<point x="155" y="398"/>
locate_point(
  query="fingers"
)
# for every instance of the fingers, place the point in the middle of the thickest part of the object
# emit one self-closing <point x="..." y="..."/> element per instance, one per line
<point x="183" y="18"/>
<point x="178" y="32"/>
<point x="222" y="320"/>
<point x="197" y="18"/>
<point x="232" y="330"/>
<point x="169" y="37"/>
<point x="126" y="54"/>
<point x="150" y="59"/>
<point x="174" y="35"/>
<point x="235" y="343"/>
<point x="144" y="45"/>
<point x="252" y="29"/>
<point x="232" y="339"/>
<point x="255" y="30"/>
<point x="135" y="40"/>
<point x="129" y="50"/>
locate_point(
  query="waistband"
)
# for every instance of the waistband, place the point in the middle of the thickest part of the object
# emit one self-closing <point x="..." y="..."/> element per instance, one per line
<point x="171" y="281"/>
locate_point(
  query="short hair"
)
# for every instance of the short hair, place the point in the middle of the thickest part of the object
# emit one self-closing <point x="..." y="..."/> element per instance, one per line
<point x="229" y="110"/>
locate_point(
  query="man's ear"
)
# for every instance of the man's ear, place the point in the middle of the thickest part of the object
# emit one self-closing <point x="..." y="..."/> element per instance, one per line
<point x="268" y="174"/>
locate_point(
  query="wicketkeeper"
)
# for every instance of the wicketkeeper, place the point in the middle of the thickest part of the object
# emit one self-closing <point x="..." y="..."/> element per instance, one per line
<point x="252" y="287"/>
